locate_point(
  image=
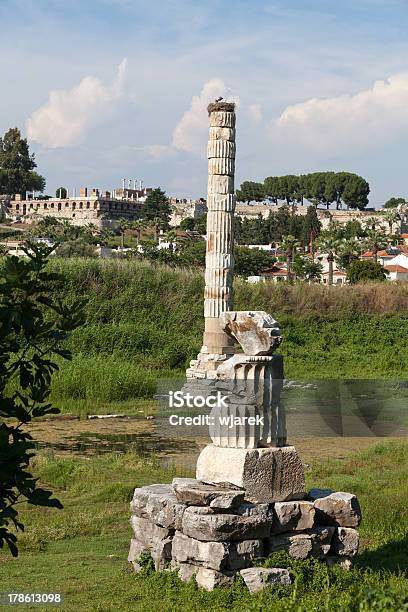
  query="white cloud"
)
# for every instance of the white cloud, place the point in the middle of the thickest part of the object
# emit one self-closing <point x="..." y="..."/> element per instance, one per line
<point x="158" y="151"/>
<point x="255" y="112"/>
<point x="191" y="132"/>
<point x="368" y="119"/>
<point x="69" y="113"/>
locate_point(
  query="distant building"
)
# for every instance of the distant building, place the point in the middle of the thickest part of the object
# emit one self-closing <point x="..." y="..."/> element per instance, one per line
<point x="396" y="272"/>
<point x="339" y="277"/>
<point x="183" y="208"/>
<point x="277" y="272"/>
<point x="102" y="209"/>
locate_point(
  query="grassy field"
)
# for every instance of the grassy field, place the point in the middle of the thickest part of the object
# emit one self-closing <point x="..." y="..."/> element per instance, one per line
<point x="145" y="322"/>
<point x="81" y="550"/>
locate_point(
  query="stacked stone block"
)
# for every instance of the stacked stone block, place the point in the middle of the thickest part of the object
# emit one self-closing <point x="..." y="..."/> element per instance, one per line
<point x="213" y="533"/>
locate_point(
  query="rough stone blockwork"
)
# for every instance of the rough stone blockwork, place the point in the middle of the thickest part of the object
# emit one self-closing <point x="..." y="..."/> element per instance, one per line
<point x="212" y="532"/>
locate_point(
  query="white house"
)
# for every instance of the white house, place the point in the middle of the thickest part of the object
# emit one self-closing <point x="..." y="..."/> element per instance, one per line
<point x="396" y="272"/>
<point x="397" y="268"/>
<point x="339" y="277"/>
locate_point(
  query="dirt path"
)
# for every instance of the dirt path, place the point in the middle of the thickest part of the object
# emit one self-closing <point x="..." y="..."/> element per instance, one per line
<point x="89" y="437"/>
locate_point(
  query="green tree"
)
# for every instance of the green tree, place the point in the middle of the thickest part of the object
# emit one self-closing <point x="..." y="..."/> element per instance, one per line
<point x="17" y="165"/>
<point x="289" y="246"/>
<point x="375" y="241"/>
<point x="282" y="222"/>
<point x="306" y="269"/>
<point x="138" y="226"/>
<point x="311" y="226"/>
<point x="394" y="202"/>
<point x="316" y="189"/>
<point x="289" y="187"/>
<point x="155" y="206"/>
<point x="156" y="223"/>
<point x="347" y="252"/>
<point x="200" y="224"/>
<point x="250" y="191"/>
<point x="391" y="216"/>
<point x="356" y="190"/>
<point x="61" y="192"/>
<point x="123" y="225"/>
<point x="362" y="271"/>
<point x="329" y="243"/>
<point x="271" y="188"/>
<point x="353" y="229"/>
<point x="33" y="327"/>
<point x="187" y="224"/>
<point x="250" y="262"/>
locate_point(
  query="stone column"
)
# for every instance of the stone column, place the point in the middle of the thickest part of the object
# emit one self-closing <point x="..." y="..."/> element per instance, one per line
<point x="219" y="262"/>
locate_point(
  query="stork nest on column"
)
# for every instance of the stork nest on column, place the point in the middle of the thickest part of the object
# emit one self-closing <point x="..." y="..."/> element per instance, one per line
<point x="221" y="106"/>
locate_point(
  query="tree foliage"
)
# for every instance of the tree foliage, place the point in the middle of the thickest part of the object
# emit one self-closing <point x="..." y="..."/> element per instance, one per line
<point x="311" y="226"/>
<point x="361" y="271"/>
<point x="320" y="188"/>
<point x="156" y="206"/>
<point x="61" y="192"/>
<point x="306" y="269"/>
<point x="250" y="191"/>
<point x="278" y="224"/>
<point x="17" y="165"/>
<point x="33" y="326"/>
<point x="250" y="262"/>
<point x="394" y="202"/>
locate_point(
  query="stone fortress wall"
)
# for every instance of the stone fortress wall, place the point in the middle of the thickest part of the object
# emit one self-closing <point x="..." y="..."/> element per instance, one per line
<point x="99" y="208"/>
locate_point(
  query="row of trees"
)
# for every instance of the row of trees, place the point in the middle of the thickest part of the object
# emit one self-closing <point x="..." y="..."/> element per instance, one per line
<point x="277" y="225"/>
<point x="320" y="188"/>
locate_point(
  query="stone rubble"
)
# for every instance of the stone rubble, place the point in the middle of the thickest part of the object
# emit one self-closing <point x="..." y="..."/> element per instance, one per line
<point x="257" y="578"/>
<point x="336" y="508"/>
<point x="181" y="529"/>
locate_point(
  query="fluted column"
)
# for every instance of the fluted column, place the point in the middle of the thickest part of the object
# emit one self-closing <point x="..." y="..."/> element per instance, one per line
<point x="219" y="263"/>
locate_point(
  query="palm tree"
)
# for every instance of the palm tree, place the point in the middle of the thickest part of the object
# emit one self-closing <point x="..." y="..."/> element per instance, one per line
<point x="156" y="224"/>
<point x="375" y="241"/>
<point x="329" y="244"/>
<point x="372" y="223"/>
<point x="123" y="225"/>
<point x="172" y="238"/>
<point x="348" y="251"/>
<point x="138" y="225"/>
<point x="391" y="216"/>
<point x="105" y="235"/>
<point x="334" y="228"/>
<point x="289" y="245"/>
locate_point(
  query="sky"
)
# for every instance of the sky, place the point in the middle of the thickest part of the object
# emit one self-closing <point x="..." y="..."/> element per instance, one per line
<point x="106" y="89"/>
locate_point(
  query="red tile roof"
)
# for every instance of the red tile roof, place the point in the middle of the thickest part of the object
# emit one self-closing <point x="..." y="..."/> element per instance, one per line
<point x="396" y="268"/>
<point x="381" y="253"/>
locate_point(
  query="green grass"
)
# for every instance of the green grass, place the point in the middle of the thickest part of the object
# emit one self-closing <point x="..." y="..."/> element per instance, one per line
<point x="145" y="322"/>
<point x="81" y="550"/>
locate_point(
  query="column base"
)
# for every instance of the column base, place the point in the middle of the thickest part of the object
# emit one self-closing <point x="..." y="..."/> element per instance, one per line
<point x="267" y="474"/>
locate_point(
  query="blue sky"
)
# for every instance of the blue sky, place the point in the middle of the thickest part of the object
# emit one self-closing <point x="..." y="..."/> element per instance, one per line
<point x="106" y="89"/>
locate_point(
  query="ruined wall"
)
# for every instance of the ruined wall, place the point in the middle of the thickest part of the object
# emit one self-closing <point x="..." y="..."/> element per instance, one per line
<point x="79" y="211"/>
